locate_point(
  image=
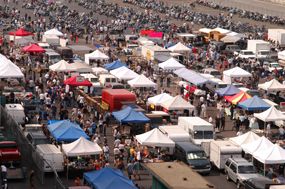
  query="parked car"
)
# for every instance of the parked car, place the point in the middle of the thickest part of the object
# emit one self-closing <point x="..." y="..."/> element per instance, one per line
<point x="246" y="54"/>
<point x="238" y="170"/>
<point x="36" y="138"/>
<point x="230" y="49"/>
<point x="213" y="72"/>
<point x="272" y="66"/>
<point x="259" y="183"/>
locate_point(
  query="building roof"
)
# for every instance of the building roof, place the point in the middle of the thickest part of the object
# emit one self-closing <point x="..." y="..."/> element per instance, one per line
<point x="183" y="179"/>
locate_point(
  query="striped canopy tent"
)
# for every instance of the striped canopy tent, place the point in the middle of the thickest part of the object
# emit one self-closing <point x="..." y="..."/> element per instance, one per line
<point x="240" y="97"/>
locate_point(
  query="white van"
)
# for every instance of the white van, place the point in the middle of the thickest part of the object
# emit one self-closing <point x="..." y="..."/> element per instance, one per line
<point x="16" y="111"/>
<point x="96" y="88"/>
<point x="52" y="155"/>
<point x="52" y="56"/>
<point x="105" y="79"/>
<point x="198" y="129"/>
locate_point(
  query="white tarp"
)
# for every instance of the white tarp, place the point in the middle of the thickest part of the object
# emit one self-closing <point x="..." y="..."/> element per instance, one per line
<point x="171" y="64"/>
<point x="272" y="155"/>
<point x="245" y="138"/>
<point x="281" y="55"/>
<point x="81" y="147"/>
<point x="61" y="66"/>
<point x="272" y="85"/>
<point x="80" y="67"/>
<point x="179" y="47"/>
<point x="141" y="81"/>
<point x="99" y="70"/>
<point x="124" y="73"/>
<point x="96" y="55"/>
<point x="8" y="69"/>
<point x="235" y="72"/>
<point x="154" y="138"/>
<point x="177" y="103"/>
<point x="272" y="114"/>
<point x="53" y="31"/>
<point x="252" y="147"/>
<point x="158" y="99"/>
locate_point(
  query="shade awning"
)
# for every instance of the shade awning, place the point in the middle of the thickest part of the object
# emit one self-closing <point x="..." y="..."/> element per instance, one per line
<point x="253" y="104"/>
<point x="77" y="81"/>
<point x="129" y="115"/>
<point x="141" y="81"/>
<point x="240" y="97"/>
<point x="272" y="114"/>
<point x="21" y="32"/>
<point x="33" y="48"/>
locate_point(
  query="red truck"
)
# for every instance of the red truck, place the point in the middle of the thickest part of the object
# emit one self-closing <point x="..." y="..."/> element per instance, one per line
<point x="113" y="99"/>
<point x="9" y="152"/>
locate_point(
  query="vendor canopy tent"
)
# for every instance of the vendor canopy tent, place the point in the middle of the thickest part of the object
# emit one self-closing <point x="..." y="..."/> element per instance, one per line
<point x="33" y="48"/>
<point x="66" y="131"/>
<point x="8" y="69"/>
<point x="191" y="76"/>
<point x="129" y="115"/>
<point x="114" y="65"/>
<point x="240" y="97"/>
<point x="253" y="104"/>
<point x="99" y="70"/>
<point x="177" y="103"/>
<point x="273" y="155"/>
<point x="281" y="55"/>
<point x="124" y="73"/>
<point x="272" y="114"/>
<point x="231" y="39"/>
<point x="171" y="64"/>
<point x="158" y="99"/>
<point x="80" y="67"/>
<point x="245" y="138"/>
<point x="262" y="142"/>
<point x="96" y="55"/>
<point x="179" y="47"/>
<point x="272" y="85"/>
<point x="53" y="31"/>
<point x="155" y="138"/>
<point x="228" y="91"/>
<point x="141" y="81"/>
<point x="61" y="66"/>
<point x="77" y="81"/>
<point x="21" y="32"/>
<point x="81" y="147"/>
<point x="235" y="72"/>
<point x="108" y="178"/>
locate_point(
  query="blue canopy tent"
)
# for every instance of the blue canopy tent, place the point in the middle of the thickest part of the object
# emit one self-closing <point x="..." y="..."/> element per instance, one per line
<point x="254" y="103"/>
<point x="114" y="65"/>
<point x="108" y="178"/>
<point x="66" y="131"/>
<point x="228" y="91"/>
<point x="129" y="115"/>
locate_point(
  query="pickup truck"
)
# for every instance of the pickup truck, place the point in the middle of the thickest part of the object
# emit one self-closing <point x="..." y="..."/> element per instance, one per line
<point x="9" y="152"/>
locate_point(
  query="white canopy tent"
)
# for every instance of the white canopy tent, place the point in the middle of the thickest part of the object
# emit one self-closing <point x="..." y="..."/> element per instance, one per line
<point x="158" y="99"/>
<point x="124" y="73"/>
<point x="96" y="55"/>
<point x="154" y="138"/>
<point x="177" y="103"/>
<point x="252" y="147"/>
<point x="8" y="69"/>
<point x="54" y="32"/>
<point x="271" y="114"/>
<point x="281" y="55"/>
<point x="171" y="64"/>
<point x="80" y="67"/>
<point x="272" y="85"/>
<point x="245" y="138"/>
<point x="61" y="66"/>
<point x="230" y="39"/>
<point x="81" y="147"/>
<point x="99" y="70"/>
<point x="141" y="81"/>
<point x="272" y="155"/>
<point x="179" y="48"/>
<point x="235" y="72"/>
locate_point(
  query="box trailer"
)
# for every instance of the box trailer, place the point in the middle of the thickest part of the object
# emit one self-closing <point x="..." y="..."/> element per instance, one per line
<point x="258" y="46"/>
<point x="221" y="150"/>
<point x="114" y="99"/>
<point x="151" y="52"/>
<point x="175" y="133"/>
<point x="277" y="36"/>
<point x="198" y="129"/>
<point x="16" y="111"/>
<point x="52" y="156"/>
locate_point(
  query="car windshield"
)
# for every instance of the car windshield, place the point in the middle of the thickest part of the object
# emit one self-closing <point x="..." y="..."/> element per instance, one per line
<point x="246" y="169"/>
<point x="248" y="53"/>
<point x="196" y="155"/>
<point x="264" y="52"/>
<point x="198" y="135"/>
<point x="274" y="65"/>
<point x="208" y="135"/>
<point x="215" y="73"/>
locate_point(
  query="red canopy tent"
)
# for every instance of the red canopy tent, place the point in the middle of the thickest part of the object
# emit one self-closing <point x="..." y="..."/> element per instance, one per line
<point x="33" y="48"/>
<point x="77" y="81"/>
<point x="155" y="34"/>
<point x="146" y="32"/>
<point x="20" y="32"/>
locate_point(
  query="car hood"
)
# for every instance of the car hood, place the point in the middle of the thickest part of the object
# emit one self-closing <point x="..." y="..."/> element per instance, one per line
<point x="248" y="176"/>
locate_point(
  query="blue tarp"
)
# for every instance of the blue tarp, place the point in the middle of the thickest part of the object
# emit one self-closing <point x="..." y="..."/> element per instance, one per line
<point x="129" y="115"/>
<point x="114" y="65"/>
<point x="228" y="91"/>
<point x="66" y="131"/>
<point x="191" y="76"/>
<point x="254" y="103"/>
<point x="108" y="178"/>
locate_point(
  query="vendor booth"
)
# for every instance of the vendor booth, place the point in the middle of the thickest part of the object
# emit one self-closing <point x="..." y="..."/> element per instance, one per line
<point x="238" y="98"/>
<point x="177" y="103"/>
<point x="171" y="65"/>
<point x="61" y="66"/>
<point x="272" y="114"/>
<point x="272" y="86"/>
<point x="129" y="115"/>
<point x="77" y="81"/>
<point x="234" y="73"/>
<point x="141" y="81"/>
<point x="254" y="104"/>
<point x="99" y="70"/>
<point x="8" y="69"/>
<point x="158" y="99"/>
<point x="108" y="178"/>
<point x="33" y="48"/>
<point x="191" y="76"/>
<point x="124" y="73"/>
<point x="20" y="33"/>
<point x="228" y="91"/>
<point x="260" y="143"/>
<point x="180" y="48"/>
<point x="80" y="67"/>
<point x="114" y="65"/>
<point x="246" y="138"/>
<point x="95" y="56"/>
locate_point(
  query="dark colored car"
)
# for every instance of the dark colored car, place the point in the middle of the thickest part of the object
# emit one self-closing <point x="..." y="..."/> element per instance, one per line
<point x="258" y="183"/>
